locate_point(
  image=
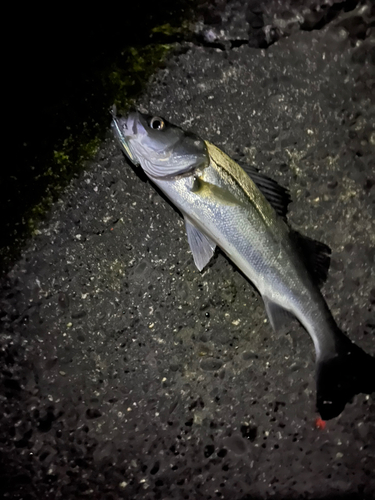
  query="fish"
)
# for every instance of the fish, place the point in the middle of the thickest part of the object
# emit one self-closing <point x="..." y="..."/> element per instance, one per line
<point x="244" y="213"/>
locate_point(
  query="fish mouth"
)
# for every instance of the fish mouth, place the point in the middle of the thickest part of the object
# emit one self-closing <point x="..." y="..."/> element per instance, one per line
<point x="119" y="126"/>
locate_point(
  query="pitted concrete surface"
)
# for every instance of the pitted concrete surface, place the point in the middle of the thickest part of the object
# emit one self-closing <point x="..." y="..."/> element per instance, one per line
<point x="126" y="373"/>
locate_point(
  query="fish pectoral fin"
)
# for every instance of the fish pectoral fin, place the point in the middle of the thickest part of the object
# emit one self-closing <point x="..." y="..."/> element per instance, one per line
<point x="201" y="246"/>
<point x="277" y="315"/>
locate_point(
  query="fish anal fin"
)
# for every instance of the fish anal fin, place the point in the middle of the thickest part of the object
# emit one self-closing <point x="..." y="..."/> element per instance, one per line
<point x="277" y="196"/>
<point x="315" y="255"/>
<point x="277" y="315"/>
<point x="202" y="247"/>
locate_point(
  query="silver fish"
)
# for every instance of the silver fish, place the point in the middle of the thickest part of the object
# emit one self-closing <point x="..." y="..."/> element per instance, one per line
<point x="243" y="213"/>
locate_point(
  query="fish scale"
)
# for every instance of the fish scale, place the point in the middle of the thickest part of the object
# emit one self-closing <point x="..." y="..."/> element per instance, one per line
<point x="243" y="214"/>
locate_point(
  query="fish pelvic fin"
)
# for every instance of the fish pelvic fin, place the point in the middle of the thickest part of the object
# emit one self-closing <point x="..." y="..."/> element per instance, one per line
<point x="340" y="377"/>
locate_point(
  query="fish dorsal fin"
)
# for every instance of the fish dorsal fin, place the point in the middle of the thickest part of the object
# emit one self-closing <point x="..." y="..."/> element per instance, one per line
<point x="315" y="255"/>
<point x="223" y="161"/>
<point x="255" y="185"/>
<point x="277" y="196"/>
<point x="201" y="246"/>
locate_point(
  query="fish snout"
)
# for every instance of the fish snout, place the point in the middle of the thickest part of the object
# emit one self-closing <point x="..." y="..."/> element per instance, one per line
<point x="124" y="128"/>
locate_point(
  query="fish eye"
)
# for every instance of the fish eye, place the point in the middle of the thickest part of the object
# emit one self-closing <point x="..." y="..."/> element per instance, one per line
<point x="157" y="123"/>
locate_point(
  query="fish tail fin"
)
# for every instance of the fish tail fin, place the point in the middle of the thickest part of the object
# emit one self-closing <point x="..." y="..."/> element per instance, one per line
<point x="340" y="377"/>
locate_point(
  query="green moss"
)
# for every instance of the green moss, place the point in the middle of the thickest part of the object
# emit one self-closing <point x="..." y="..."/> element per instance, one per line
<point x="128" y="76"/>
<point x="169" y="30"/>
<point x="60" y="158"/>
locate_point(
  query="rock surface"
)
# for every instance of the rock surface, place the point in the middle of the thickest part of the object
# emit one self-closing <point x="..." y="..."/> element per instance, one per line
<point x="128" y="374"/>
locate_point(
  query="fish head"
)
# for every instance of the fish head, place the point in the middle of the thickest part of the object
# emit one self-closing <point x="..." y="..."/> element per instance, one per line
<point x="163" y="150"/>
